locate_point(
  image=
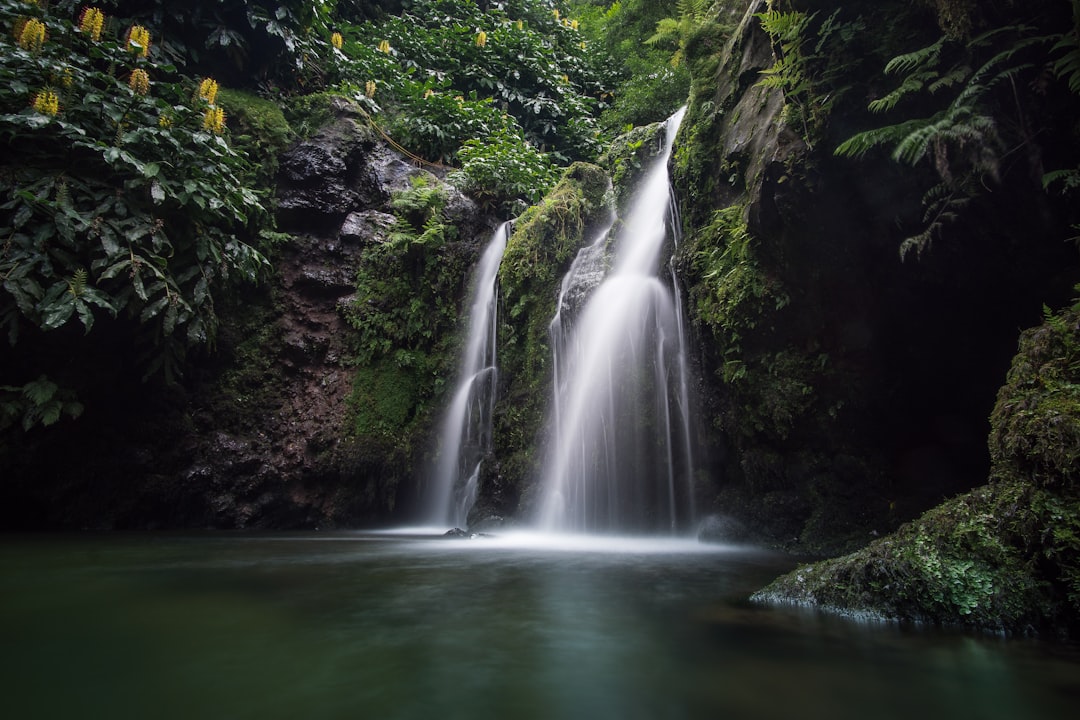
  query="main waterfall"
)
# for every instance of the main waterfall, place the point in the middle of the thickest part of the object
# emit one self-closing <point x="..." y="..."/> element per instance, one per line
<point x="619" y="457"/>
<point x="465" y="434"/>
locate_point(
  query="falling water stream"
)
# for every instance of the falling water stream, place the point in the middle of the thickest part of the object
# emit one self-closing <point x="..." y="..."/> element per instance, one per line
<point x="620" y="457"/>
<point x="465" y="434"/>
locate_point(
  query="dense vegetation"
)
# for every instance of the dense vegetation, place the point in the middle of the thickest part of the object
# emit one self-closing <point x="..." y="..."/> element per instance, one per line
<point x="143" y="140"/>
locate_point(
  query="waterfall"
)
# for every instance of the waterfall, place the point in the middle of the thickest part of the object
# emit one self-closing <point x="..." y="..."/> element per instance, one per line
<point x="465" y="432"/>
<point x="619" y="455"/>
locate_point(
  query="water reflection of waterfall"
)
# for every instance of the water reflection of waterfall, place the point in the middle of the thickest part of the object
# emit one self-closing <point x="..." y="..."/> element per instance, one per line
<point x="465" y="434"/>
<point x="619" y="456"/>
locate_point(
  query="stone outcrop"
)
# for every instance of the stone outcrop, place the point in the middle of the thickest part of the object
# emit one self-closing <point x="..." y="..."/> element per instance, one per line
<point x="847" y="389"/>
<point x="259" y="433"/>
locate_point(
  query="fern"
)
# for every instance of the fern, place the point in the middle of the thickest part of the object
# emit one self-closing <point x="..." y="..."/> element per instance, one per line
<point x="917" y="59"/>
<point x="943" y="205"/>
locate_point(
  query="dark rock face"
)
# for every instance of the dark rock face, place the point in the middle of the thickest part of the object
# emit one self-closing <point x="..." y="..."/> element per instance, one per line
<point x="258" y="434"/>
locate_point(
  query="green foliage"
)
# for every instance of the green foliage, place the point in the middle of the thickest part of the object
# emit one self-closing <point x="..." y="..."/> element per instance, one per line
<point x="120" y="204"/>
<point x="810" y="57"/>
<point x="967" y="135"/>
<point x="645" y="81"/>
<point x="40" y="401"/>
<point x="504" y="169"/>
<point x="274" y="43"/>
<point x="406" y="316"/>
<point x="534" y="67"/>
<point x="258" y="130"/>
<point x="730" y="292"/>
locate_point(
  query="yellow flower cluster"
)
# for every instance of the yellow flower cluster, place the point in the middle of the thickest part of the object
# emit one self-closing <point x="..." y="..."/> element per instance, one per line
<point x="91" y="21"/>
<point x="337" y="41"/>
<point x="46" y="102"/>
<point x="384" y="46"/>
<point x="369" y="88"/>
<point x="138" y="40"/>
<point x="428" y="93"/>
<point x="214" y="120"/>
<point x="164" y="121"/>
<point x="520" y="24"/>
<point x="555" y="12"/>
<point x="139" y="82"/>
<point x="481" y="39"/>
<point x="208" y="90"/>
<point x="32" y="35"/>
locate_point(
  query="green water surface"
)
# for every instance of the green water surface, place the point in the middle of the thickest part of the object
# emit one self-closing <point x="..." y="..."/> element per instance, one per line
<point x="355" y="625"/>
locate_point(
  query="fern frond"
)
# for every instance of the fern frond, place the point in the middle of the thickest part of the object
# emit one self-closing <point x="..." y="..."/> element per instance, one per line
<point x="923" y="57"/>
<point x="1068" y="65"/>
<point x="858" y="145"/>
<point x="1070" y="179"/>
<point x="786" y="27"/>
<point x="77" y="283"/>
<point x="955" y="75"/>
<point x="667" y="30"/>
<point x="911" y="84"/>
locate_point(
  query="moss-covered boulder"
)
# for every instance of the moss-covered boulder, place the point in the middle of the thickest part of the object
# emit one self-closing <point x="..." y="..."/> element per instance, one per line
<point x="1004" y="557"/>
<point x="544" y="242"/>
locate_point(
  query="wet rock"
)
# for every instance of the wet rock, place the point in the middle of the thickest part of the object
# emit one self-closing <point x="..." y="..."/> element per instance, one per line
<point x="456" y="533"/>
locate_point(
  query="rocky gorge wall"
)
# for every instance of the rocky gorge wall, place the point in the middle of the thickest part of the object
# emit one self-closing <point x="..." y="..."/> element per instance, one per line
<point x="269" y="430"/>
<point x="847" y="388"/>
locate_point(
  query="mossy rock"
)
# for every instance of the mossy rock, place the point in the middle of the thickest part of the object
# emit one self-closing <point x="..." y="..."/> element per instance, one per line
<point x="545" y="240"/>
<point x="1004" y="557"/>
<point x="1036" y="422"/>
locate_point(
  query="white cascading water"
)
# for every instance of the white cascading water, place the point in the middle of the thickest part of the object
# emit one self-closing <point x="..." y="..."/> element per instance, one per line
<point x="619" y="457"/>
<point x="465" y="433"/>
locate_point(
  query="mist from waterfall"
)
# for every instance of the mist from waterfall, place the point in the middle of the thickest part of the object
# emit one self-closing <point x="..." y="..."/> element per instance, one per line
<point x="619" y="457"/>
<point x="465" y="432"/>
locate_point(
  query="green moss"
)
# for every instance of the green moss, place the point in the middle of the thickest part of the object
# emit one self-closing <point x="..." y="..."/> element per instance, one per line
<point x="385" y="398"/>
<point x="629" y="156"/>
<point x="545" y="241"/>
<point x="1036" y="422"/>
<point x="257" y="128"/>
<point x="409" y="286"/>
<point x="1004" y="557"/>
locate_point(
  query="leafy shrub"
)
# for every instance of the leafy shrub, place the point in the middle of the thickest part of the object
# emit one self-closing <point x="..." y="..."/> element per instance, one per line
<point x="504" y="168"/>
<point x="119" y="197"/>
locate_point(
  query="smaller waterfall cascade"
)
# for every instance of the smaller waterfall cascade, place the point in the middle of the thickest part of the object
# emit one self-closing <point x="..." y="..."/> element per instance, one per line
<point x="619" y="455"/>
<point x="465" y="433"/>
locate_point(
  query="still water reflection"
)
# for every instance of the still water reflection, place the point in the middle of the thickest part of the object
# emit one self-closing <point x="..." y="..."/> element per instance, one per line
<point x="396" y="626"/>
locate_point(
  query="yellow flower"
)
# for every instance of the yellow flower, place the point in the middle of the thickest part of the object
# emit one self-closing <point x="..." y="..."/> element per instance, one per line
<point x="573" y="24"/>
<point x="46" y="102"/>
<point x="520" y="24"/>
<point x="428" y="93"/>
<point x="460" y="99"/>
<point x="91" y="21"/>
<point x="139" y="82"/>
<point x="32" y="35"/>
<point x="208" y="90"/>
<point x="565" y="78"/>
<point x="214" y="120"/>
<point x="582" y="44"/>
<point x="555" y="12"/>
<point x="337" y="41"/>
<point x="138" y="40"/>
<point x="369" y="88"/>
<point x="481" y="39"/>
<point x="164" y="121"/>
<point x="384" y="46"/>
